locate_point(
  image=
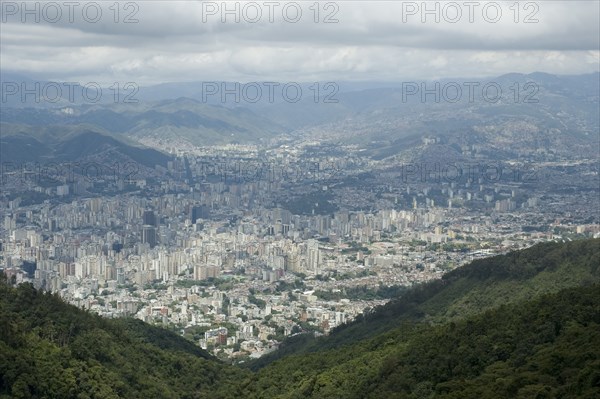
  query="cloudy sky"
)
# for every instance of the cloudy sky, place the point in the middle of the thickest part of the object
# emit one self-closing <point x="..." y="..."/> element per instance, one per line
<point x="164" y="41"/>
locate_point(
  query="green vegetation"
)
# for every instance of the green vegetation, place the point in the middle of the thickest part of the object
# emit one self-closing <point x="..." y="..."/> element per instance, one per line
<point x="257" y="301"/>
<point x="521" y="325"/>
<point x="355" y="247"/>
<point x="546" y="348"/>
<point x="469" y="290"/>
<point x="283" y="286"/>
<point x="49" y="349"/>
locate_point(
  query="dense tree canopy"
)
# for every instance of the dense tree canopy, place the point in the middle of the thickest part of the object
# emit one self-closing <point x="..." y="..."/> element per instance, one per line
<point x="49" y="349"/>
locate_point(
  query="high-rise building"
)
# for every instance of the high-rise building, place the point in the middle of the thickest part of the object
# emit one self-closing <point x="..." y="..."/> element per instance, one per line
<point x="199" y="212"/>
<point x="312" y="255"/>
<point x="149" y="235"/>
<point x="505" y="205"/>
<point x="149" y="218"/>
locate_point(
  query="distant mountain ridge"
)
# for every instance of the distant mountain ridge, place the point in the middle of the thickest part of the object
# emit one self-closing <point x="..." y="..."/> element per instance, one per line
<point x="80" y="144"/>
<point x="180" y="119"/>
<point x="538" y="112"/>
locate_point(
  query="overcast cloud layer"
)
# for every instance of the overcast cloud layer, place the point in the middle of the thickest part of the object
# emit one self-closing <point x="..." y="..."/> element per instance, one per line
<point x="373" y="41"/>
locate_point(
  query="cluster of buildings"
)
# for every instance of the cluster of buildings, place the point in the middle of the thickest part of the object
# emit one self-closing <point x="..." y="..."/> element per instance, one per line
<point x="230" y="264"/>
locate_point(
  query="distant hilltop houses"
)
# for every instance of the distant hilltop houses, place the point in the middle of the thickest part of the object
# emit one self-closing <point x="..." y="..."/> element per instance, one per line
<point x="429" y="140"/>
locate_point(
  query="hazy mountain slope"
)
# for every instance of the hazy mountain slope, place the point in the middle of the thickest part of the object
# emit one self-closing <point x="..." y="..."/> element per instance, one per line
<point x="91" y="143"/>
<point x="536" y="114"/>
<point x="23" y="148"/>
<point x="180" y="120"/>
<point x="73" y="144"/>
<point x="188" y="120"/>
<point x="532" y="115"/>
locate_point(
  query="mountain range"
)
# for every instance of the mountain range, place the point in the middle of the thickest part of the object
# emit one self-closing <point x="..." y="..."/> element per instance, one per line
<point x="58" y="144"/>
<point x="535" y="114"/>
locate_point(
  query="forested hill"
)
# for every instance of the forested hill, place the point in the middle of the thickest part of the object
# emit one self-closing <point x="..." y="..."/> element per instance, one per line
<point x="478" y="286"/>
<point x="545" y="348"/>
<point x="521" y="325"/>
<point x="49" y="349"/>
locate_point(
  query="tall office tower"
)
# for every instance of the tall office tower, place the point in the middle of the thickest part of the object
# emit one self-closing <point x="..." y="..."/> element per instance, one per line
<point x="199" y="212"/>
<point x="149" y="218"/>
<point x="149" y="235"/>
<point x="149" y="228"/>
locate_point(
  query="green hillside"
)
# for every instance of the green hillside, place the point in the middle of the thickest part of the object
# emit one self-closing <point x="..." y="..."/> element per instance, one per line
<point x="481" y="285"/>
<point x="521" y="325"/>
<point x="545" y="348"/>
<point x="49" y="349"/>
